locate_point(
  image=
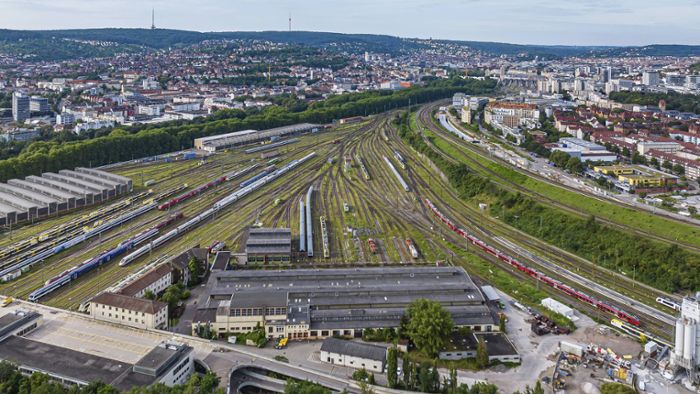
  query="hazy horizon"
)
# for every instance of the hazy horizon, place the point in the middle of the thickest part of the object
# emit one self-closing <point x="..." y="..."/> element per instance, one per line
<point x="543" y="22"/>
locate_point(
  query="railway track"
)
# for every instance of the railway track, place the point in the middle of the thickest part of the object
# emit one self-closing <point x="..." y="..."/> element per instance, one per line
<point x="459" y="214"/>
<point x="425" y="117"/>
<point x="567" y="259"/>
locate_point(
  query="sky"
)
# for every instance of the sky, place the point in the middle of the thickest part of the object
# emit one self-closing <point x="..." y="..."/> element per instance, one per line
<point x="553" y="22"/>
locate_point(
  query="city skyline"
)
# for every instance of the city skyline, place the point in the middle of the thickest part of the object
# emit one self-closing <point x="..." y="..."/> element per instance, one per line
<point x="547" y="22"/>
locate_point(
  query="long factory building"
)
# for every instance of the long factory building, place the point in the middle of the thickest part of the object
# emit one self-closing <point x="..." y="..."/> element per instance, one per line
<point x="39" y="196"/>
<point x="225" y="141"/>
<point x="321" y="303"/>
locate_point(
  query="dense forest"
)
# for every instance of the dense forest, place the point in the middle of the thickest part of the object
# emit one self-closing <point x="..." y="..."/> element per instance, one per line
<point x="39" y="43"/>
<point x="665" y="267"/>
<point x="126" y="144"/>
<point x="675" y="101"/>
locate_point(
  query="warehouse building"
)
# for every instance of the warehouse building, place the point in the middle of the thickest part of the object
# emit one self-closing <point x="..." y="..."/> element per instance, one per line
<point x="313" y="303"/>
<point x="463" y="346"/>
<point x="266" y="245"/>
<point x="37" y="197"/>
<point x="353" y="354"/>
<point x="19" y="323"/>
<point x="168" y="363"/>
<point x="220" y="142"/>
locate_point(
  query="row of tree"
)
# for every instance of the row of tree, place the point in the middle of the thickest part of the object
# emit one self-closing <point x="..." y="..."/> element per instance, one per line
<point x="659" y="265"/>
<point x="124" y="144"/>
<point x="675" y="101"/>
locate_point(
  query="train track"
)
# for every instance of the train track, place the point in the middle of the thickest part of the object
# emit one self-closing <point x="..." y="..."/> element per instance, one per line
<point x="425" y="117"/>
<point x="643" y="290"/>
<point x="459" y="214"/>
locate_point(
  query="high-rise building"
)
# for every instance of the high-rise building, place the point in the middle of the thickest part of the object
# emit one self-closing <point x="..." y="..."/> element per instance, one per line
<point x="650" y="78"/>
<point x="686" y="353"/>
<point x="20" y="107"/>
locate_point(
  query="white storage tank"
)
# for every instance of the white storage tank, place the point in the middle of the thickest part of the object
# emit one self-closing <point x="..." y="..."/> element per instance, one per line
<point x="689" y="341"/>
<point x="679" y="338"/>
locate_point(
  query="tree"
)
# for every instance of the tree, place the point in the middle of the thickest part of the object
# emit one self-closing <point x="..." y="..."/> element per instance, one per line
<point x="406" y="372"/>
<point x="692" y="210"/>
<point x="434" y="379"/>
<point x="574" y="165"/>
<point x="678" y="169"/>
<point x="365" y="388"/>
<point x="424" y="378"/>
<point x="148" y="294"/>
<point x="482" y="354"/>
<point x="502" y="323"/>
<point x="195" y="269"/>
<point x="667" y="165"/>
<point x="304" y="387"/>
<point x="452" y="383"/>
<point x="616" y="388"/>
<point x="392" y="367"/>
<point x="429" y="325"/>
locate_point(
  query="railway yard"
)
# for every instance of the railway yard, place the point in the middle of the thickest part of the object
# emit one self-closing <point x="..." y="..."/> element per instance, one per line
<point x="374" y="201"/>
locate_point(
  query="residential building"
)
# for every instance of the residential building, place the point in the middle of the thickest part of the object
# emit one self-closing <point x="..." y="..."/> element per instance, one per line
<point x="510" y="114"/>
<point x="130" y="311"/>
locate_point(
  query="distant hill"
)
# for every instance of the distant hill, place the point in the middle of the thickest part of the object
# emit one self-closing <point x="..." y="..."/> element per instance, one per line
<point x="62" y="44"/>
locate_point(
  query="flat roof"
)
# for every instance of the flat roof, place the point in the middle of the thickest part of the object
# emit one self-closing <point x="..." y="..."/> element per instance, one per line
<point x="60" y="361"/>
<point x="497" y="344"/>
<point x="252" y="135"/>
<point x="358" y="297"/>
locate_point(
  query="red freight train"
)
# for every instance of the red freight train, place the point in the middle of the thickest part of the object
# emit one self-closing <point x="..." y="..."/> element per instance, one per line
<point x="532" y="272"/>
<point x="191" y="193"/>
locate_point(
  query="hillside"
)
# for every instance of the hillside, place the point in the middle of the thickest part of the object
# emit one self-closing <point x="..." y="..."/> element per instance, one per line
<point x="67" y="44"/>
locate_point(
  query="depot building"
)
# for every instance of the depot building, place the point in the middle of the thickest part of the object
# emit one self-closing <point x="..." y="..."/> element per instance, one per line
<point x="321" y="303"/>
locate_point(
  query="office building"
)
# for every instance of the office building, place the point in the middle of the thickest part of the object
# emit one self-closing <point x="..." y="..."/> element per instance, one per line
<point x="39" y="104"/>
<point x="20" y="107"/>
<point x="650" y="78"/>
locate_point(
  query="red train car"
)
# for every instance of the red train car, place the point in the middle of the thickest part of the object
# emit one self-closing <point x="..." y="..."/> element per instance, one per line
<point x="532" y="272"/>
